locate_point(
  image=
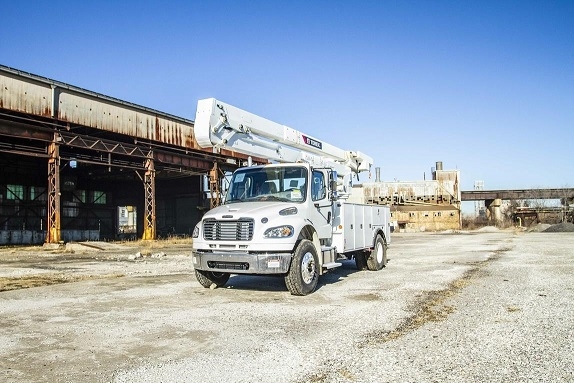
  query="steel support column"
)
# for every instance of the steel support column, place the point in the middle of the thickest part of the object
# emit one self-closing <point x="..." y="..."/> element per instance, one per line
<point x="214" y="189"/>
<point x="54" y="224"/>
<point x="493" y="212"/>
<point x="149" y="191"/>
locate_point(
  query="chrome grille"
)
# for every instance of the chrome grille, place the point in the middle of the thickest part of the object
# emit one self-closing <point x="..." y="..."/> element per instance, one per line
<point x="240" y="230"/>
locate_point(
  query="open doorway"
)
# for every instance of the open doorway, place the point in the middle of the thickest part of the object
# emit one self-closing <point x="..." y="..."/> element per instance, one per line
<point x="127" y="222"/>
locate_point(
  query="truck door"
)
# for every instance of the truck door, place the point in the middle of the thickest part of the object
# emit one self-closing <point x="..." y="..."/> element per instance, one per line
<point x="320" y="212"/>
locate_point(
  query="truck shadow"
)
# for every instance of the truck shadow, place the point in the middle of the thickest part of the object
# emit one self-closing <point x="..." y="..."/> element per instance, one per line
<point x="276" y="283"/>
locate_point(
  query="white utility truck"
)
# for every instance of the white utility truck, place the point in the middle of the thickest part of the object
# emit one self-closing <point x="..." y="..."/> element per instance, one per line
<point x="291" y="217"/>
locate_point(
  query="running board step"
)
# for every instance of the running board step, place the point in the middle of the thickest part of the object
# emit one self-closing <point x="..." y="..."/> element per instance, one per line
<point x="332" y="265"/>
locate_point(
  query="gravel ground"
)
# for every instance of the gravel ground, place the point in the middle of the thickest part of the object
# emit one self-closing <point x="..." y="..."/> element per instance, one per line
<point x="564" y="227"/>
<point x="490" y="306"/>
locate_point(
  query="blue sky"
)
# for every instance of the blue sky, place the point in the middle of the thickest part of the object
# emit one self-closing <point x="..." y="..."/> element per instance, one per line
<point x="486" y="87"/>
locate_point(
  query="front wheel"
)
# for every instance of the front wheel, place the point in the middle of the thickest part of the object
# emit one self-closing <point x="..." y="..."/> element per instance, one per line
<point x="378" y="257"/>
<point x="303" y="274"/>
<point x="208" y="278"/>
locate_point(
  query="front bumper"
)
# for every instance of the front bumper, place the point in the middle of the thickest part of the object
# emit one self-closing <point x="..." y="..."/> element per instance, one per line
<point x="242" y="262"/>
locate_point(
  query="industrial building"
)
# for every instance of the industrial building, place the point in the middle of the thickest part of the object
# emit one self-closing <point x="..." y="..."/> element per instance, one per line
<point x="77" y="165"/>
<point x="427" y="205"/>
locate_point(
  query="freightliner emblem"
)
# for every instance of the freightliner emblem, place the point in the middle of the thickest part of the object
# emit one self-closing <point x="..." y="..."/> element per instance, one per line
<point x="312" y="142"/>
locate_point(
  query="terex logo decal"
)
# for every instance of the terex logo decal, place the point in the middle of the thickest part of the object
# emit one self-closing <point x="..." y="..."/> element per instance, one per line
<point x="312" y="142"/>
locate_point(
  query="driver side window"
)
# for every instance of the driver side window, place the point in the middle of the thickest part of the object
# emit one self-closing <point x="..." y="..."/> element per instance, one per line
<point x="318" y="190"/>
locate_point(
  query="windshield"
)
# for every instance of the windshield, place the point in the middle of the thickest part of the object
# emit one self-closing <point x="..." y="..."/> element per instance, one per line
<point x="282" y="183"/>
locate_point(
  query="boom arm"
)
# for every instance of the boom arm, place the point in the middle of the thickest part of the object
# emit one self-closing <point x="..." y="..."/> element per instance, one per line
<point x="221" y="125"/>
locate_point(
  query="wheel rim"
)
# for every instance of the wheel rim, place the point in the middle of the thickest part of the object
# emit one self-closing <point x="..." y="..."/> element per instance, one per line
<point x="379" y="253"/>
<point x="308" y="268"/>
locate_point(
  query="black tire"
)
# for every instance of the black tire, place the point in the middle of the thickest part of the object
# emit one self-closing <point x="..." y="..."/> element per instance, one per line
<point x="378" y="257"/>
<point x="360" y="261"/>
<point x="303" y="274"/>
<point x="208" y="278"/>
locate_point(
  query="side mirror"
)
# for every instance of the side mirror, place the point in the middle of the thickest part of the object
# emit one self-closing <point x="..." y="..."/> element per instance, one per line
<point x="334" y="190"/>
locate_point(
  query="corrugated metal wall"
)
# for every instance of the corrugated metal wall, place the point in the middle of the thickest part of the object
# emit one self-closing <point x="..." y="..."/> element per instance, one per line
<point x="31" y="94"/>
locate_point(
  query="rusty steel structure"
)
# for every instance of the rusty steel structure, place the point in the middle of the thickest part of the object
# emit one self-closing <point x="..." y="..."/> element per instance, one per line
<point x="61" y="125"/>
<point x="525" y="215"/>
<point x="513" y="194"/>
<point x="53" y="192"/>
<point x="149" y="198"/>
<point x="215" y="177"/>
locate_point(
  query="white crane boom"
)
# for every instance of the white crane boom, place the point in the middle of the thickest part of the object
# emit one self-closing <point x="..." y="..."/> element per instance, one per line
<point x="220" y="125"/>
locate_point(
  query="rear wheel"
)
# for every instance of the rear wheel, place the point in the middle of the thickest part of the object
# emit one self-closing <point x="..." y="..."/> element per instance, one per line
<point x="378" y="257"/>
<point x="303" y="274"/>
<point x="208" y="278"/>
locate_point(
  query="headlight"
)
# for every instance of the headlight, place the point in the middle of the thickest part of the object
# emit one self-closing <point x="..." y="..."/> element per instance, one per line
<point x="279" y="232"/>
<point x="195" y="231"/>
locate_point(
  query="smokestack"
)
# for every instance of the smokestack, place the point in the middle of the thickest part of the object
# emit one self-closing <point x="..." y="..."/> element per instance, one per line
<point x="377" y="174"/>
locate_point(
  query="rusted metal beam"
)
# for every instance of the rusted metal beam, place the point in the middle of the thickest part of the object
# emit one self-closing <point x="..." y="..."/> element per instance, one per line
<point x="22" y="150"/>
<point x="197" y="161"/>
<point x="26" y="131"/>
<point x="149" y="201"/>
<point x="481" y="195"/>
<point x="54" y="224"/>
<point x="106" y="146"/>
<point x="214" y="189"/>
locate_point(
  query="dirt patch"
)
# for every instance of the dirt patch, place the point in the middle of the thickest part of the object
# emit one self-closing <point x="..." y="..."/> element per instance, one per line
<point x="431" y="306"/>
<point x="24" y="267"/>
<point x="15" y="283"/>
<point x="367" y="297"/>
